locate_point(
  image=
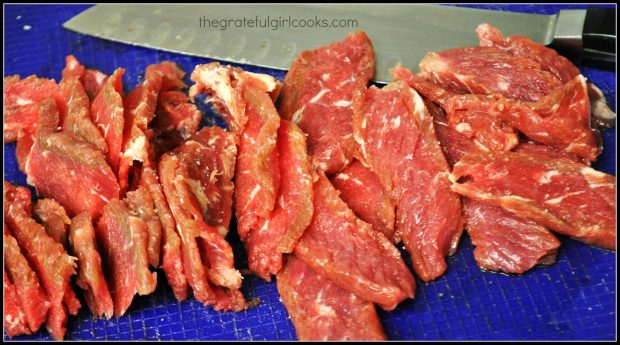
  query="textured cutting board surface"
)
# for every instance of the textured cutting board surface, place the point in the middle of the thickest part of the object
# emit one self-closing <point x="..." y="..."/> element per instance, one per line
<point x="572" y="299"/>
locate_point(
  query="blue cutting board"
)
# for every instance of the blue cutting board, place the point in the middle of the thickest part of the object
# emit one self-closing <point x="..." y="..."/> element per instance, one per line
<point x="573" y="299"/>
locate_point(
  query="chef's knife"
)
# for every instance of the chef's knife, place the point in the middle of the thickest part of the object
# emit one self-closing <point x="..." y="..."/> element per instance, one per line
<point x="272" y="35"/>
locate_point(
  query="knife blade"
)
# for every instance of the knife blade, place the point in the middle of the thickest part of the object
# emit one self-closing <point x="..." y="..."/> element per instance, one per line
<point x="272" y="35"/>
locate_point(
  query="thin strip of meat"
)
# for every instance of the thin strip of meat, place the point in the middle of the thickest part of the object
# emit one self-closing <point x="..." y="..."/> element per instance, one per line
<point x="320" y="310"/>
<point x="90" y="276"/>
<point x="257" y="170"/>
<point x="361" y="189"/>
<point x="78" y="120"/>
<point x="49" y="259"/>
<point x="550" y="61"/>
<point x="141" y="205"/>
<point x="317" y="96"/>
<point x="224" y="85"/>
<point x="192" y="231"/>
<point x="171" y="257"/>
<point x="31" y="298"/>
<point x="54" y="219"/>
<point x="87" y="181"/>
<point x="488" y="71"/>
<point x="560" y="119"/>
<point x="92" y="80"/>
<point x="292" y="212"/>
<point x="123" y="239"/>
<point x="347" y="251"/>
<point x="108" y="114"/>
<point x="504" y="241"/>
<point x="397" y="140"/>
<point x="14" y="317"/>
<point x="569" y="198"/>
<point x="213" y="153"/>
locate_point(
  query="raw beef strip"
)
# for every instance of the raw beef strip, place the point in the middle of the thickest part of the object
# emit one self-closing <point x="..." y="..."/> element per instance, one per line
<point x="91" y="80"/>
<point x="489" y="133"/>
<point x="257" y="171"/>
<point x="195" y="180"/>
<point x="570" y="198"/>
<point x="19" y="104"/>
<point x="141" y="205"/>
<point x="292" y="213"/>
<point x="87" y="181"/>
<point x="78" y="120"/>
<point x="320" y="310"/>
<point x="171" y="258"/>
<point x="344" y="249"/>
<point x="123" y="239"/>
<point x="224" y="86"/>
<point x="549" y="60"/>
<point x="505" y="242"/>
<point x="176" y="120"/>
<point x="90" y="276"/>
<point x="22" y="150"/>
<point x="192" y="230"/>
<point x="539" y="149"/>
<point x="54" y="219"/>
<point x="30" y="295"/>
<point x="213" y="152"/>
<point x="139" y="107"/>
<point x="397" y="140"/>
<point x="107" y="111"/>
<point x="172" y="75"/>
<point x="487" y="71"/>
<point x="317" y="96"/>
<point x="361" y="189"/>
<point x="49" y="259"/>
<point x="14" y="317"/>
<point x="560" y="119"/>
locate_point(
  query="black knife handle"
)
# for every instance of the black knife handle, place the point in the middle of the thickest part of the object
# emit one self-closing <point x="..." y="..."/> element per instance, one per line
<point x="599" y="37"/>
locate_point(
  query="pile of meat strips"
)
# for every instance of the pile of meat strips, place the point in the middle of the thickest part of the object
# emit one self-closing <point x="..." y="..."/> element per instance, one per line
<point x="325" y="175"/>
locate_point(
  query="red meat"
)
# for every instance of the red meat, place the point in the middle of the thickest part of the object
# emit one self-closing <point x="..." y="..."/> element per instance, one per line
<point x="78" y="120"/>
<point x="30" y="297"/>
<point x="22" y="150"/>
<point x="538" y="149"/>
<point x="49" y="259"/>
<point x="570" y="198"/>
<point x="224" y="85"/>
<point x="171" y="256"/>
<point x="141" y="205"/>
<point x="172" y="75"/>
<point x="317" y="96"/>
<point x="487" y="71"/>
<point x="213" y="153"/>
<point x="347" y="251"/>
<point x="139" y="108"/>
<point x="489" y="133"/>
<point x="549" y="60"/>
<point x="397" y="140"/>
<point x="90" y="276"/>
<point x="88" y="183"/>
<point x="196" y="235"/>
<point x="93" y="82"/>
<point x="14" y="317"/>
<point x="561" y="119"/>
<point x="505" y="242"/>
<point x="361" y="189"/>
<point x="107" y="112"/>
<point x="320" y="310"/>
<point x="292" y="213"/>
<point x="20" y="99"/>
<point x="123" y="239"/>
<point x="257" y="171"/>
<point x="54" y="219"/>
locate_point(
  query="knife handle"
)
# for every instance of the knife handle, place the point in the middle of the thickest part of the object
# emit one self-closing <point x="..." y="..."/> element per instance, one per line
<point x="587" y="37"/>
<point x="599" y="36"/>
